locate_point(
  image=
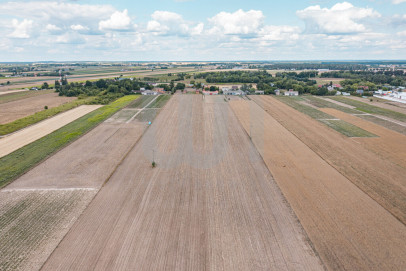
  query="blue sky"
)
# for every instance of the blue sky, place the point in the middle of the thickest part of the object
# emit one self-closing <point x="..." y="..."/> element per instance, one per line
<point x="207" y="30"/>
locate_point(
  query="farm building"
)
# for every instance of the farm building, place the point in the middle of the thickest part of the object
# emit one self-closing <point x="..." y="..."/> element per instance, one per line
<point x="291" y="93"/>
<point x="259" y="92"/>
<point x="149" y="92"/>
<point x="210" y="92"/>
<point x="233" y="92"/>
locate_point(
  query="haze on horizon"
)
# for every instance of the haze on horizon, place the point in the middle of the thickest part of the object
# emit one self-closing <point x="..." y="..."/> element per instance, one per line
<point x="197" y="30"/>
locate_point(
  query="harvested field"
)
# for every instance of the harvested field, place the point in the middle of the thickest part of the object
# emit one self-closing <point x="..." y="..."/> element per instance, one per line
<point x="21" y="108"/>
<point x="22" y="95"/>
<point x="44" y="203"/>
<point x="19" y="139"/>
<point x="32" y="223"/>
<point x="160" y="101"/>
<point x="210" y="203"/>
<point x="349" y="230"/>
<point x="394" y="126"/>
<point x="380" y="179"/>
<point x="86" y="163"/>
<point x="389" y="144"/>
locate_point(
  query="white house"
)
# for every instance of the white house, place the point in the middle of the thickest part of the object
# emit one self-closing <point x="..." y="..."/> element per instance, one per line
<point x="149" y="92"/>
<point x="291" y="93"/>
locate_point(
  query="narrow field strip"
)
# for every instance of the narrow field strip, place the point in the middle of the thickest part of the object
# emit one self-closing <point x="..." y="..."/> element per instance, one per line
<point x="136" y="114"/>
<point x="18" y="162"/>
<point x="47" y="189"/>
<point x="314" y="110"/>
<point x="348" y="228"/>
<point x="24" y="137"/>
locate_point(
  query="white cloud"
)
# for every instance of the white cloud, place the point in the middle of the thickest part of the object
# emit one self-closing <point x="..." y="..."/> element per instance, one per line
<point x="279" y="33"/>
<point x="69" y="38"/>
<point x="118" y="21"/>
<point x="342" y="18"/>
<point x="78" y="27"/>
<point x="21" y="30"/>
<point x="398" y="1"/>
<point x="52" y="28"/>
<point x="237" y="23"/>
<point x="170" y="23"/>
<point x="402" y="33"/>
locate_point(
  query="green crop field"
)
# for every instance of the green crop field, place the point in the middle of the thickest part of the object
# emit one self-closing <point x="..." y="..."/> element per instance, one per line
<point x="22" y="160"/>
<point x="321" y="103"/>
<point x="142" y="101"/>
<point x="347" y="129"/>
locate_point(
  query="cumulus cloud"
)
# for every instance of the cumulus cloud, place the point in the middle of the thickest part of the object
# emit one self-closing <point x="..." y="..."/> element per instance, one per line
<point x="21" y="29"/>
<point x="398" y="1"/>
<point x="279" y="33"/>
<point x="342" y="18"/>
<point x="170" y="23"/>
<point x="237" y="23"/>
<point x="118" y="21"/>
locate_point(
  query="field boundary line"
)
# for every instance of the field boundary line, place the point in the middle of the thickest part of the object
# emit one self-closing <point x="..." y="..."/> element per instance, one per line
<point x="133" y="117"/>
<point x="48" y="189"/>
<point x="359" y="188"/>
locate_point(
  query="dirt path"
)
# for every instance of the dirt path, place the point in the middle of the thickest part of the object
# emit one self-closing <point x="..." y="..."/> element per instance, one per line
<point x="391" y="145"/>
<point x="349" y="230"/>
<point x="211" y="203"/>
<point x="24" y="137"/>
<point x="25" y="107"/>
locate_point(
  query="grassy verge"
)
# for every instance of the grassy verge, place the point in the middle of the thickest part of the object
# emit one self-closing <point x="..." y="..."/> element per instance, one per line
<point x="347" y="129"/>
<point x="17" y="163"/>
<point x="22" y="95"/>
<point x="39" y="116"/>
<point x="340" y="126"/>
<point x="372" y="109"/>
<point x="160" y="101"/>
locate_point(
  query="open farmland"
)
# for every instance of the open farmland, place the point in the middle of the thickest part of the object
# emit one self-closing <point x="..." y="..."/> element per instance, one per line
<point x="5" y="98"/>
<point x="14" y="110"/>
<point x="38" y="209"/>
<point x="24" y="137"/>
<point x="348" y="228"/>
<point x="210" y="203"/>
<point x="381" y="179"/>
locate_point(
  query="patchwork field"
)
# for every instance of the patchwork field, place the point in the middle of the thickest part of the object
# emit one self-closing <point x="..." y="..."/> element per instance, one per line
<point x="38" y="209"/>
<point x="14" y="110"/>
<point x="210" y="203"/>
<point x="320" y="172"/>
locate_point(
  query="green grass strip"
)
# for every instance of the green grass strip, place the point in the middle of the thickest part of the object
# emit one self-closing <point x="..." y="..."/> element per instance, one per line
<point x="340" y="126"/>
<point x="39" y="116"/>
<point x="347" y="129"/>
<point x="142" y="101"/>
<point x="17" y="163"/>
<point x="321" y="103"/>
<point x="370" y="109"/>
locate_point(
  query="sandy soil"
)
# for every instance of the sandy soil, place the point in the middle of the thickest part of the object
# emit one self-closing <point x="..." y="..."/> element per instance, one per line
<point x="349" y="230"/>
<point x="25" y="107"/>
<point x="391" y="145"/>
<point x="210" y="204"/>
<point x="24" y="137"/>
<point x="394" y="106"/>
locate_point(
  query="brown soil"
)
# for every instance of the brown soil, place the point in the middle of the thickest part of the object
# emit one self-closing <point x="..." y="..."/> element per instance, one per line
<point x="349" y="230"/>
<point x="391" y="145"/>
<point x="210" y="203"/>
<point x="379" y="178"/>
<point x="25" y="107"/>
<point x="24" y="137"/>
